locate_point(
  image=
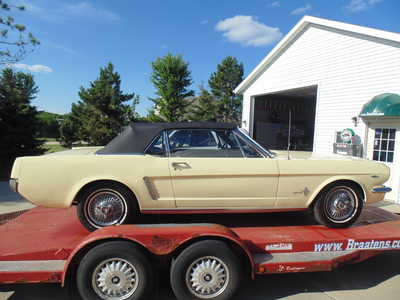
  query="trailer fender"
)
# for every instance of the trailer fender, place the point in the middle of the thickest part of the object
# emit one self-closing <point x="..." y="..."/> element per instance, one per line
<point x="156" y="239"/>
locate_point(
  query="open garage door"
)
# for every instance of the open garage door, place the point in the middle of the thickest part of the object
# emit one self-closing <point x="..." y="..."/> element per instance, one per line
<point x="271" y="119"/>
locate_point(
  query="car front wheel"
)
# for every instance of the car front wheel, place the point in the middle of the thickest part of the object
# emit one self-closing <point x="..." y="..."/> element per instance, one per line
<point x="106" y="204"/>
<point x="339" y="205"/>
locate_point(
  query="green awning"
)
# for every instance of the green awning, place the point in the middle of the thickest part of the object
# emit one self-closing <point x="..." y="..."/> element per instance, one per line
<point x="384" y="105"/>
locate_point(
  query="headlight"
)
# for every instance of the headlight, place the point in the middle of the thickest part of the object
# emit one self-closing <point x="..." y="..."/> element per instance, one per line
<point x="14" y="185"/>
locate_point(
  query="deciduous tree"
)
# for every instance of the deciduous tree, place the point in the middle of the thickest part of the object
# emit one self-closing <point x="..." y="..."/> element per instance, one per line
<point x="15" y="41"/>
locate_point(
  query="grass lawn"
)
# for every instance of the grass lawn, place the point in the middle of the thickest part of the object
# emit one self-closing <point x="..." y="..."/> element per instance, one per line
<point x="47" y="139"/>
<point x="54" y="148"/>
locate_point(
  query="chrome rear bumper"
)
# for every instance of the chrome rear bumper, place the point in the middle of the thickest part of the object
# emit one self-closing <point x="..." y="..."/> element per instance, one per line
<point x="14" y="185"/>
<point x="381" y="189"/>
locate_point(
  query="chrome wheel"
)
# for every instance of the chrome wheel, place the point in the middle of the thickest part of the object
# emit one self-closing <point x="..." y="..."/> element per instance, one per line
<point x="207" y="277"/>
<point x="105" y="208"/>
<point x="341" y="204"/>
<point x="115" y="279"/>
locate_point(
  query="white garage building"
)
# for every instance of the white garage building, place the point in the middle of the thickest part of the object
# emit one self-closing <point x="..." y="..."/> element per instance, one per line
<point x="331" y="76"/>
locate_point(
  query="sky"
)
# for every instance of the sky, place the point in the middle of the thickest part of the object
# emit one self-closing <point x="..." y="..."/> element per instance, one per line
<point x="78" y="37"/>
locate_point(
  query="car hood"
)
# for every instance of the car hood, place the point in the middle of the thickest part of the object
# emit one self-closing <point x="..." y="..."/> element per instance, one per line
<point x="76" y="151"/>
<point x="283" y="154"/>
<point x="313" y="163"/>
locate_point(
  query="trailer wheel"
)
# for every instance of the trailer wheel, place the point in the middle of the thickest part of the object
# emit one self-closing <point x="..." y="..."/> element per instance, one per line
<point x="105" y="204"/>
<point x="206" y="270"/>
<point x="115" y="270"/>
<point x="338" y="206"/>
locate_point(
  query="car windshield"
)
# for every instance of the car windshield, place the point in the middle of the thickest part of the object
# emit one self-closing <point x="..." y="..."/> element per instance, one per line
<point x="244" y="134"/>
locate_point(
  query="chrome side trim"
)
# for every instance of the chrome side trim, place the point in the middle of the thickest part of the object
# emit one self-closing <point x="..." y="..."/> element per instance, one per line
<point x="150" y="187"/>
<point x="32" y="265"/>
<point x="381" y="189"/>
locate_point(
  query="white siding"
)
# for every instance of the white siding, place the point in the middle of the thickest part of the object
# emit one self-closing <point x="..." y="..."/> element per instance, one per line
<point x="246" y="113"/>
<point x="349" y="70"/>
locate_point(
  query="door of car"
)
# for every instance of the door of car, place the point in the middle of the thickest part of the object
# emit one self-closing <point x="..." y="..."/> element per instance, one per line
<point x="155" y="177"/>
<point x="215" y="168"/>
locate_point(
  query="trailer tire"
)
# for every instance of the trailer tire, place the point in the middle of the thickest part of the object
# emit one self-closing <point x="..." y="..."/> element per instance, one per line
<point x="339" y="205"/>
<point x="211" y="265"/>
<point x="118" y="267"/>
<point x="104" y="204"/>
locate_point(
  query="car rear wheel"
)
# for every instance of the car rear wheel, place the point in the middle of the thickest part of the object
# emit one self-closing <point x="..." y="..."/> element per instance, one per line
<point x="106" y="204"/>
<point x="339" y="205"/>
<point x="206" y="270"/>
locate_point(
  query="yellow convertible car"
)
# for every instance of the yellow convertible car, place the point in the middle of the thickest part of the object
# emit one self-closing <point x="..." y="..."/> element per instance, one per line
<point x="187" y="168"/>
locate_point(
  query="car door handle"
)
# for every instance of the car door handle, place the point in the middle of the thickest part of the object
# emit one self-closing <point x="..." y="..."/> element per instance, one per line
<point x="180" y="165"/>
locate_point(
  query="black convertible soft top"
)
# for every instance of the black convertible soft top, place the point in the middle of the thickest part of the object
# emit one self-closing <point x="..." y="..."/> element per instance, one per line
<point x="136" y="136"/>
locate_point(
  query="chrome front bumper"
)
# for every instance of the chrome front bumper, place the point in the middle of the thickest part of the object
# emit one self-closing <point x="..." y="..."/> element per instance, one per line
<point x="14" y="185"/>
<point x="381" y="189"/>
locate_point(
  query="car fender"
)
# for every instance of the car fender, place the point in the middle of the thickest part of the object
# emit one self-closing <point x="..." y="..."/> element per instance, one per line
<point x="157" y="239"/>
<point x="81" y="183"/>
<point x="330" y="180"/>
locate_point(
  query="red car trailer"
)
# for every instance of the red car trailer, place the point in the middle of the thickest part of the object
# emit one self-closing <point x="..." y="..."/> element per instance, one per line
<point x="206" y="261"/>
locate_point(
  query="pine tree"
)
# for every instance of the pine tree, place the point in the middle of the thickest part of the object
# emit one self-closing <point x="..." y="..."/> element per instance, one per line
<point x="19" y="124"/>
<point x="222" y="83"/>
<point x="102" y="111"/>
<point x="204" y="107"/>
<point x="69" y="131"/>
<point x="172" y="79"/>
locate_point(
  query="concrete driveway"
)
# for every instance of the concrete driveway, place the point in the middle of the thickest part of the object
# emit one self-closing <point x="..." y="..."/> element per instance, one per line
<point x="6" y="194"/>
<point x="377" y="278"/>
<point x="10" y="201"/>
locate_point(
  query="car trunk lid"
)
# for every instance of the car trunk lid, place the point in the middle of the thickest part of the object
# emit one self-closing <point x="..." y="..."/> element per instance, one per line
<point x="77" y="151"/>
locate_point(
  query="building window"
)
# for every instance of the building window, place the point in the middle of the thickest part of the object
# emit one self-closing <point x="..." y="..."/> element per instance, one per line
<point x="384" y="144"/>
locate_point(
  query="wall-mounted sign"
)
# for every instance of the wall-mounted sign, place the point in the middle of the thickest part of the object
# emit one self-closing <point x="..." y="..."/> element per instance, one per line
<point x="347" y="135"/>
<point x="347" y="143"/>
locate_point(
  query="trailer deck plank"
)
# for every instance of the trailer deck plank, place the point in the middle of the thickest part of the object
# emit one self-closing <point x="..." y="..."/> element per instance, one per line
<point x="41" y="234"/>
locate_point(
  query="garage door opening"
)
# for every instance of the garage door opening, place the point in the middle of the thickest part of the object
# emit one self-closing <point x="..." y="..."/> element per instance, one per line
<point x="271" y="119"/>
